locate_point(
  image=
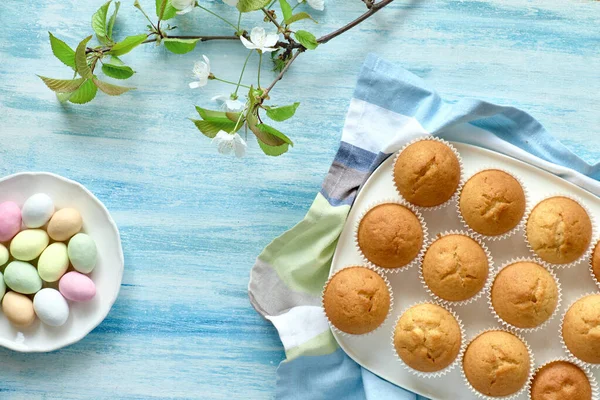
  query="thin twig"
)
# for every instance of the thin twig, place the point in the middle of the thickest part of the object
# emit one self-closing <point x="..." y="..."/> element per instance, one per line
<point x="376" y="7"/>
<point x="273" y="20"/>
<point x="283" y="71"/>
<point x="106" y="49"/>
<point x="368" y="3"/>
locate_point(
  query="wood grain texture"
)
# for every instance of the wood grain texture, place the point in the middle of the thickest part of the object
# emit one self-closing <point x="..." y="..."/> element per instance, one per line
<point x="193" y="221"/>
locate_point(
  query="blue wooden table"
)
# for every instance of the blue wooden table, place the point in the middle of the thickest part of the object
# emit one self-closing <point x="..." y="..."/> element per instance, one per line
<point x="192" y="221"/>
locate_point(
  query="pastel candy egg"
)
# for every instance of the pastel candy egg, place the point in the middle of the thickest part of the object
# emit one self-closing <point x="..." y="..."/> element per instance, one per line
<point x="22" y="277"/>
<point x="37" y="210"/>
<point x="76" y="287"/>
<point x="3" y="255"/>
<point x="10" y="220"/>
<point x="29" y="244"/>
<point x="51" y="307"/>
<point x="82" y="253"/>
<point x="53" y="262"/>
<point x="2" y="286"/>
<point x="64" y="224"/>
<point x="18" y="309"/>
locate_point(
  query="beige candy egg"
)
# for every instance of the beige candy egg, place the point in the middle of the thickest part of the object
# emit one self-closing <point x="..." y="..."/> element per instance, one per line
<point x="18" y="309"/>
<point x="64" y="224"/>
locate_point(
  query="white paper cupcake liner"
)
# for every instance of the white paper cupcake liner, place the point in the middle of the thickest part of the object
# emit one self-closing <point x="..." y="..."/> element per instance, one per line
<point x="586" y="370"/>
<point x="415" y="211"/>
<point x="562" y="339"/>
<point x="508" y="325"/>
<point x="585" y="254"/>
<point x="502" y="236"/>
<point x="509" y="397"/>
<point x="460" y="163"/>
<point x="463" y="343"/>
<point x="488" y="280"/>
<point x="389" y="288"/>
<point x="595" y="244"/>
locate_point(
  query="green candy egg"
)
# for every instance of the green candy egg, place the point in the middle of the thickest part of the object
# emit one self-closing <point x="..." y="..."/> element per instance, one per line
<point x="2" y="287"/>
<point x="53" y="262"/>
<point x="29" y="244"/>
<point x="82" y="253"/>
<point x="3" y="254"/>
<point x="22" y="277"/>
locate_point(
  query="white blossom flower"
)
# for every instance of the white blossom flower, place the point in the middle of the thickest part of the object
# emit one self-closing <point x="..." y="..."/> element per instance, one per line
<point x="229" y="104"/>
<point x="226" y="142"/>
<point x="232" y="3"/>
<point x="316" y="4"/>
<point x="183" y="6"/>
<point x="261" y="40"/>
<point x="201" y="72"/>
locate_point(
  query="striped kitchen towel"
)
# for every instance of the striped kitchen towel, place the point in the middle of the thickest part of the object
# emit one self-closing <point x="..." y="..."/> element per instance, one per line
<point x="390" y="107"/>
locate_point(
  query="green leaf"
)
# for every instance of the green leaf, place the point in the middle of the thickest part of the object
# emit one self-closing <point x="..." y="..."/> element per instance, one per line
<point x="81" y="64"/>
<point x="252" y="5"/>
<point x="272" y="150"/>
<point x="62" y="85"/>
<point x="210" y="128"/>
<point x="109" y="88"/>
<point x="111" y="21"/>
<point x="86" y="92"/>
<point x="116" y="69"/>
<point x="62" y="51"/>
<point x="99" y="22"/>
<point x="214" y="116"/>
<point x="165" y="10"/>
<point x="272" y="136"/>
<point x="62" y="97"/>
<point x="127" y="44"/>
<point x="180" y="46"/>
<point x="307" y="39"/>
<point x="282" y="113"/>
<point x="299" y="17"/>
<point x="286" y="9"/>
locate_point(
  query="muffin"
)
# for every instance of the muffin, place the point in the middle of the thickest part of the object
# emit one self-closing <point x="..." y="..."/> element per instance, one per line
<point x="427" y="173"/>
<point x="390" y="235"/>
<point x="581" y="329"/>
<point x="559" y="230"/>
<point x="427" y="337"/>
<point x="492" y="202"/>
<point x="356" y="300"/>
<point x="559" y="380"/>
<point x="455" y="267"/>
<point x="496" y="363"/>
<point x="595" y="262"/>
<point x="524" y="294"/>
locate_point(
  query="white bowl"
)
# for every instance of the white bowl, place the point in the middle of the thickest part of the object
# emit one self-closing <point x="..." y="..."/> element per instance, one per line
<point x="107" y="275"/>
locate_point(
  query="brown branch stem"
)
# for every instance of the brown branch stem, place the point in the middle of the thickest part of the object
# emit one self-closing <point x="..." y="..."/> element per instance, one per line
<point x="283" y="71"/>
<point x="374" y="8"/>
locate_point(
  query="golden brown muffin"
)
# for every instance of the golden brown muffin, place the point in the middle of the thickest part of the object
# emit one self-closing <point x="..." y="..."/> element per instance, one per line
<point x="581" y="329"/>
<point x="427" y="337"/>
<point x="524" y="294"/>
<point x="561" y="380"/>
<point x="492" y="202"/>
<point x="356" y="300"/>
<point x="496" y="363"/>
<point x="559" y="230"/>
<point x="455" y="267"/>
<point x="427" y="173"/>
<point x="390" y="235"/>
<point x="596" y="262"/>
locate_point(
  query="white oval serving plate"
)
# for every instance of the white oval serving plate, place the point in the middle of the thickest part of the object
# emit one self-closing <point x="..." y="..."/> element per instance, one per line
<point x="375" y="352"/>
<point x="107" y="275"/>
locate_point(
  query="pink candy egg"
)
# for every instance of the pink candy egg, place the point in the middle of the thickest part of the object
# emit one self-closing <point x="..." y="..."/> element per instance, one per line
<point x="10" y="220"/>
<point x="76" y="287"/>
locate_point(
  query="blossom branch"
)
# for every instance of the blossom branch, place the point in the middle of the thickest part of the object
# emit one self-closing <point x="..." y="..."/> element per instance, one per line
<point x="374" y="8"/>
